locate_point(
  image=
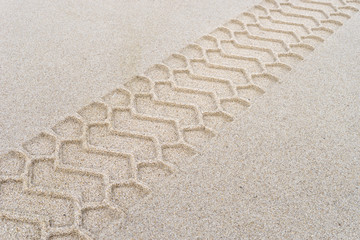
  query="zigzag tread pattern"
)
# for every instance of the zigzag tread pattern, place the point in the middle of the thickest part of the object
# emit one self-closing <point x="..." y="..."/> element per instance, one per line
<point x="88" y="170"/>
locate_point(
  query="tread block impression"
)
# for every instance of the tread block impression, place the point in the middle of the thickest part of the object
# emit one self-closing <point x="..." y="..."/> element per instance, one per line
<point x="265" y="81"/>
<point x="177" y="154"/>
<point x="250" y="65"/>
<point x="95" y="219"/>
<point x="56" y="211"/>
<point x="186" y="115"/>
<point x="94" y="112"/>
<point x="18" y="229"/>
<point x="153" y="173"/>
<point x="83" y="185"/>
<point x="125" y="120"/>
<point x="141" y="147"/>
<point x="198" y="136"/>
<point x="117" y="98"/>
<point x="70" y="127"/>
<point x="262" y="54"/>
<point x="158" y="72"/>
<point x="138" y="84"/>
<point x="126" y="195"/>
<point x="221" y="87"/>
<point x="250" y="93"/>
<point x="276" y="45"/>
<point x="216" y="120"/>
<point x="116" y="166"/>
<point x="204" y="100"/>
<point x="43" y="144"/>
<point x="237" y="76"/>
<point x="234" y="106"/>
<point x="176" y="61"/>
<point x="12" y="164"/>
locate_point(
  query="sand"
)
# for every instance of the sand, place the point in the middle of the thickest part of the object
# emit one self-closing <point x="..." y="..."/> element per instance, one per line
<point x="57" y="57"/>
<point x="252" y="132"/>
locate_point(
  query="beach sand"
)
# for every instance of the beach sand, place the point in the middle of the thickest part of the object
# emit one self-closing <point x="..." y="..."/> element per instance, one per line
<point x="57" y="57"/>
<point x="252" y="132"/>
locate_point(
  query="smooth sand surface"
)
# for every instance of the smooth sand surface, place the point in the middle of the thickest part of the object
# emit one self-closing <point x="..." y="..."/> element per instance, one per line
<point x="250" y="133"/>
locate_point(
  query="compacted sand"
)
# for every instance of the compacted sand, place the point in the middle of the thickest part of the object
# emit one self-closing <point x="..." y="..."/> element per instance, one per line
<point x="251" y="132"/>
